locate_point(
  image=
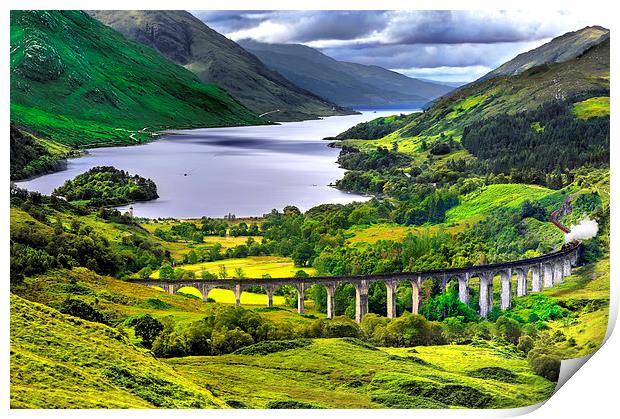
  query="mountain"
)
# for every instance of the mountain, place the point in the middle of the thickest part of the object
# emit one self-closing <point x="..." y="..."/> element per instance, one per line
<point x="81" y="83"/>
<point x="533" y="126"/>
<point x="348" y="84"/>
<point x="561" y="49"/>
<point x="584" y="75"/>
<point x="187" y="41"/>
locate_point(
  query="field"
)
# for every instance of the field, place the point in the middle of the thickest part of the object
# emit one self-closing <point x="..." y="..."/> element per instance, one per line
<point x="592" y="108"/>
<point x="491" y="197"/>
<point x="252" y="266"/>
<point x="336" y="373"/>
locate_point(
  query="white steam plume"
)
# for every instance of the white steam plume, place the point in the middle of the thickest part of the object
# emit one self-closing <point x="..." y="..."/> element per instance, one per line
<point x="586" y="229"/>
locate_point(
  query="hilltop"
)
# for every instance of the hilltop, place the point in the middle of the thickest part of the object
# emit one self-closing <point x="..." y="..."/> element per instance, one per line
<point x="348" y="84"/>
<point x="189" y="42"/>
<point x="80" y="83"/>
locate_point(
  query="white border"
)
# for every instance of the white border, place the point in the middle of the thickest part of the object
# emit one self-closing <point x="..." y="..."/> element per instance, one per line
<point x="593" y="393"/>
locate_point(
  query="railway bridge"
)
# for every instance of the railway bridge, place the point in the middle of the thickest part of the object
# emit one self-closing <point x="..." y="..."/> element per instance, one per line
<point x="532" y="274"/>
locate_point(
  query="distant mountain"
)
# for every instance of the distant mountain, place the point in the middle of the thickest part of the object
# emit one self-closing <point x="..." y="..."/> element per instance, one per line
<point x="444" y="83"/>
<point x="81" y="83"/>
<point x="561" y="49"/>
<point x="347" y="84"/>
<point x="187" y="41"/>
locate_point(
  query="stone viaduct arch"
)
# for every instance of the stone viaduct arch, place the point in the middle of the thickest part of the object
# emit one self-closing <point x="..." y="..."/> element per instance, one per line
<point x="546" y="271"/>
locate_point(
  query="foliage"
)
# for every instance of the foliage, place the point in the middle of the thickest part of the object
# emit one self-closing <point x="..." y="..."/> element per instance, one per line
<point x="106" y="185"/>
<point x="146" y="328"/>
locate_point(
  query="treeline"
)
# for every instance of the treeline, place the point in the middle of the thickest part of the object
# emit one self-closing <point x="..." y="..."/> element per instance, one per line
<point x="29" y="158"/>
<point x="105" y="186"/>
<point x="539" y="146"/>
<point x="189" y="231"/>
<point x="36" y="248"/>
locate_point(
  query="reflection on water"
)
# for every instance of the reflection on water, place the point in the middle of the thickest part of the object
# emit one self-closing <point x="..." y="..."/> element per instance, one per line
<point x="246" y="171"/>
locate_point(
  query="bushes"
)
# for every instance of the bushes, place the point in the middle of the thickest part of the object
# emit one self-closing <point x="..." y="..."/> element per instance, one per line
<point x="408" y="330"/>
<point x="291" y="404"/>
<point x="508" y="329"/>
<point x="525" y="345"/>
<point x="83" y="310"/>
<point x="340" y="327"/>
<point x="547" y="366"/>
<point x="494" y="373"/>
<point x="146" y="328"/>
<point x="268" y="347"/>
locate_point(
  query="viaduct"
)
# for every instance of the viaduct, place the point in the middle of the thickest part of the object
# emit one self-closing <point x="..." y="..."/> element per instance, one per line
<point x="531" y="275"/>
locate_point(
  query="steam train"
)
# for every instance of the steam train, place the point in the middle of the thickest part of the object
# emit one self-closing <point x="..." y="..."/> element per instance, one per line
<point x="554" y="220"/>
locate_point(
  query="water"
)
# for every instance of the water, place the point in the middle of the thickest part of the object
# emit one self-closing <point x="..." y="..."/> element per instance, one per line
<point x="247" y="171"/>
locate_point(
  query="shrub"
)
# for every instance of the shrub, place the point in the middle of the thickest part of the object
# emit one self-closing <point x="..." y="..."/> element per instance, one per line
<point x="291" y="404"/>
<point x="226" y="341"/>
<point x="494" y="373"/>
<point x="525" y="345"/>
<point x="268" y="347"/>
<point x="545" y="365"/>
<point x="83" y="310"/>
<point x="146" y="328"/>
<point x="508" y="329"/>
<point x="340" y="327"/>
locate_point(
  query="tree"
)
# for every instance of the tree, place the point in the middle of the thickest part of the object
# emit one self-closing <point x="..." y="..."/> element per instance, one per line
<point x="302" y="254"/>
<point x="239" y="273"/>
<point x="166" y="271"/>
<point x="508" y="328"/>
<point x="147" y="328"/>
<point x="222" y="273"/>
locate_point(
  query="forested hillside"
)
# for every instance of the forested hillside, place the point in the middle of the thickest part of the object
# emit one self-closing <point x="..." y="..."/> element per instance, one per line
<point x="534" y="127"/>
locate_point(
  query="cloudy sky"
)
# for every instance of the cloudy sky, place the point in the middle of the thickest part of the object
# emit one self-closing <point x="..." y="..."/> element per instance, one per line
<point x="441" y="45"/>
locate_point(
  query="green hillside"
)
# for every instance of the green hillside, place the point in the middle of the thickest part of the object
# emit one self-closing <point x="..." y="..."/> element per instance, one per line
<point x="88" y="365"/>
<point x="80" y="83"/>
<point x="187" y="41"/>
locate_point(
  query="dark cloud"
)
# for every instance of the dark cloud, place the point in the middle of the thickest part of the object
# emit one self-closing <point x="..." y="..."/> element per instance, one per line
<point x="453" y="42"/>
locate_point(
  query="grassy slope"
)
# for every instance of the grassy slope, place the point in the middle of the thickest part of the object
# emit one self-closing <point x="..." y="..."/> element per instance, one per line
<point x="592" y="108"/>
<point x="338" y="374"/>
<point x="79" y="82"/>
<point x="450" y="114"/>
<point x="187" y="41"/>
<point x="330" y="372"/>
<point x="471" y="209"/>
<point x="60" y="361"/>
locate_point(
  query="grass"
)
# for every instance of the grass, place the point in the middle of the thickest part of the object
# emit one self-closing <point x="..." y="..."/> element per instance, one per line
<point x="59" y="361"/>
<point x="253" y="267"/>
<point x="334" y="373"/>
<point x="495" y="196"/>
<point x="369" y="234"/>
<point x="78" y="82"/>
<point x="592" y="108"/>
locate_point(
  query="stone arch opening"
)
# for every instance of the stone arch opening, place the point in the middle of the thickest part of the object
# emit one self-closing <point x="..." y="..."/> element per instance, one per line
<point x="344" y="299"/>
<point x="190" y="292"/>
<point x="404" y="297"/>
<point x="221" y="295"/>
<point x="286" y="294"/>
